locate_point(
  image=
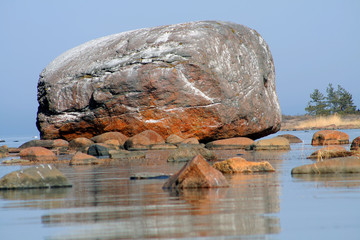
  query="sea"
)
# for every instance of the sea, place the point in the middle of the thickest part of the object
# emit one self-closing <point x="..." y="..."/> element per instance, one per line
<point x="104" y="203"/>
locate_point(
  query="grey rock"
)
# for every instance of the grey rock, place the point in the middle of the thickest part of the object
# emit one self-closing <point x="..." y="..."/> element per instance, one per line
<point x="185" y="153"/>
<point x="97" y="150"/>
<point x="42" y="176"/>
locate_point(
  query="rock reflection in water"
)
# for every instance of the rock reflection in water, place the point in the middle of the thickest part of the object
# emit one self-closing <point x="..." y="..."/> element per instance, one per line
<point x="331" y="180"/>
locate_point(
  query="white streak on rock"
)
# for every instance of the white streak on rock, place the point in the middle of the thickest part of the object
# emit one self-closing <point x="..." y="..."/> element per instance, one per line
<point x="40" y="175"/>
<point x="191" y="87"/>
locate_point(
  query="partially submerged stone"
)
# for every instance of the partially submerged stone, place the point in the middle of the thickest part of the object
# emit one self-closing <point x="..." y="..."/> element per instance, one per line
<point x="196" y="173"/>
<point x="143" y="140"/>
<point x="241" y="165"/>
<point x="98" y="150"/>
<point x="335" y="165"/>
<point x="230" y="143"/>
<point x="37" y="154"/>
<point x="330" y="152"/>
<point x="186" y="152"/>
<point x="149" y="175"/>
<point x="291" y="138"/>
<point x="329" y="137"/>
<point x="43" y="176"/>
<point x="355" y="144"/>
<point x="4" y="151"/>
<point x="84" y="159"/>
<point x="127" y="155"/>
<point x="276" y="143"/>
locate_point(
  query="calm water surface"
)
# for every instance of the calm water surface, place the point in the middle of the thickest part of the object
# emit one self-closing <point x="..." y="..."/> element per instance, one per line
<point x="105" y="204"/>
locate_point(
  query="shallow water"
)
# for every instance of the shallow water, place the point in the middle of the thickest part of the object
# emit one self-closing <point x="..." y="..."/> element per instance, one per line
<point x="105" y="204"/>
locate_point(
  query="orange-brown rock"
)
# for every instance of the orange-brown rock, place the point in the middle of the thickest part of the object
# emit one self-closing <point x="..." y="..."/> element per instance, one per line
<point x="174" y="139"/>
<point x="143" y="141"/>
<point x="329" y="137"/>
<point x="230" y="143"/>
<point x="355" y="144"/>
<point x="80" y="143"/>
<point x="37" y="154"/>
<point x="276" y="143"/>
<point x="83" y="159"/>
<point x="121" y="138"/>
<point x="241" y="165"/>
<point x="291" y="138"/>
<point x="210" y="80"/>
<point x="330" y="152"/>
<point x="196" y="173"/>
<point x="4" y="151"/>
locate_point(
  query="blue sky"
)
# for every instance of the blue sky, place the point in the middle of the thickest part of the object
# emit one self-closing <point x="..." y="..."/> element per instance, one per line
<point x="313" y="42"/>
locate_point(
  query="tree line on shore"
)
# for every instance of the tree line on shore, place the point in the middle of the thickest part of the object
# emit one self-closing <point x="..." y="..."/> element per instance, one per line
<point x="337" y="101"/>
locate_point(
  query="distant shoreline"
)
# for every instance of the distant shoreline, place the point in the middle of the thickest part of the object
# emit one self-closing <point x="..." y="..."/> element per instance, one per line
<point x="307" y="122"/>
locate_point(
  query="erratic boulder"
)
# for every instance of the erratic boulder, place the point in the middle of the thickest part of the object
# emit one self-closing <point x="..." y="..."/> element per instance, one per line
<point x="43" y="176"/>
<point x="210" y="80"/>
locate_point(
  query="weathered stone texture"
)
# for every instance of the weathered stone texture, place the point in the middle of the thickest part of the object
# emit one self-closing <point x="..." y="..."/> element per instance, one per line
<point x="210" y="80"/>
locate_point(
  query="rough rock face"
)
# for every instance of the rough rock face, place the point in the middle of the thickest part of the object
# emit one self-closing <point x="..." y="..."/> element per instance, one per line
<point x="209" y="80"/>
<point x="240" y="165"/>
<point x="329" y="137"/>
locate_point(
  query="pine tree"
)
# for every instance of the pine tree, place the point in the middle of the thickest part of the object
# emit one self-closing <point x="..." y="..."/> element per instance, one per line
<point x="332" y="99"/>
<point x="317" y="104"/>
<point x="345" y="101"/>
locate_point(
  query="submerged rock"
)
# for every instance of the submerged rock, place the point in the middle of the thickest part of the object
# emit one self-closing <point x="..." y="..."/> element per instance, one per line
<point x="186" y="152"/>
<point x="144" y="140"/>
<point x="84" y="159"/>
<point x="37" y="154"/>
<point x="196" y="173"/>
<point x="330" y="152"/>
<point x="43" y="176"/>
<point x="329" y="137"/>
<point x="291" y="138"/>
<point x="230" y="143"/>
<point x="335" y="165"/>
<point x="240" y="165"/>
<point x="210" y="80"/>
<point x="276" y="143"/>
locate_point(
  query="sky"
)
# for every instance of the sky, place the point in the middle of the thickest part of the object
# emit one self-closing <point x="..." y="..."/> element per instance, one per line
<point x="313" y="42"/>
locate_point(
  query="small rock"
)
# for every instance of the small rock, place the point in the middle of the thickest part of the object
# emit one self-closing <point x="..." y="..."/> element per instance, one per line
<point x="37" y="154"/>
<point x="174" y="139"/>
<point x="276" y="143"/>
<point x="355" y="144"/>
<point x="329" y="137"/>
<point x="147" y="175"/>
<point x="16" y="161"/>
<point x="121" y="138"/>
<point x="291" y="138"/>
<point x="187" y="152"/>
<point x="126" y="155"/>
<point x="143" y="141"/>
<point x="83" y="159"/>
<point x="240" y="165"/>
<point x="230" y="143"/>
<point x="164" y="146"/>
<point x="43" y="176"/>
<point x="330" y="152"/>
<point x="190" y="141"/>
<point x="4" y="151"/>
<point x="98" y="150"/>
<point x="196" y="173"/>
<point x="80" y="144"/>
<point x="335" y="165"/>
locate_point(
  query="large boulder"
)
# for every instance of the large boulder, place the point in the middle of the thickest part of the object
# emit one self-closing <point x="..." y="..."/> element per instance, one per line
<point x="196" y="173"/>
<point x="329" y="137"/>
<point x="210" y="80"/>
<point x="43" y="176"/>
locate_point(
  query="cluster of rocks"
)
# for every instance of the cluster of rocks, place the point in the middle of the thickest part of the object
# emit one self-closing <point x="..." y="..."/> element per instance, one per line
<point x="332" y="158"/>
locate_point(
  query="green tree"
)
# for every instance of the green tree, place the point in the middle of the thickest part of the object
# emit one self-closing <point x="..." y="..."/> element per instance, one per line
<point x="332" y="99"/>
<point x="317" y="104"/>
<point x="345" y="101"/>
